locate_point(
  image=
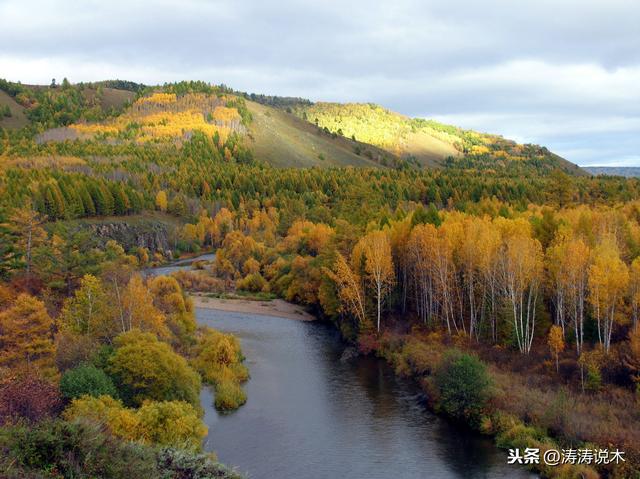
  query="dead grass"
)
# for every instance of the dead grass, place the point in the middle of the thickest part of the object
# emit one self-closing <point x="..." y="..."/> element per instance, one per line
<point x="608" y="417"/>
<point x="200" y="281"/>
<point x="18" y="119"/>
<point x="284" y="140"/>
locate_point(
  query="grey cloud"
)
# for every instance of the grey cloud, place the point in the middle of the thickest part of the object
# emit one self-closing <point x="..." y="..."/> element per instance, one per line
<point x="536" y="71"/>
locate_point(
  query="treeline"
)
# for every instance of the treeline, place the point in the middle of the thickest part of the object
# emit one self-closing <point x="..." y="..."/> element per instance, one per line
<point x="287" y="103"/>
<point x="207" y="174"/>
<point x="120" y="85"/>
<point x="63" y="195"/>
<point x="492" y="278"/>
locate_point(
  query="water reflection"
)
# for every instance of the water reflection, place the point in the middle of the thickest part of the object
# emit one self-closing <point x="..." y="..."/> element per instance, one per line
<point x="308" y="415"/>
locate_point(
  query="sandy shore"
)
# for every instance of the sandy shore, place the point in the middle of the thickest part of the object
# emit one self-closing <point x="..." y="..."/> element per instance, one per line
<point x="276" y="307"/>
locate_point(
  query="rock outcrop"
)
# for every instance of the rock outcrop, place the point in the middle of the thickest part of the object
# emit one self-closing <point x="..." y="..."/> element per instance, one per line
<point x="150" y="234"/>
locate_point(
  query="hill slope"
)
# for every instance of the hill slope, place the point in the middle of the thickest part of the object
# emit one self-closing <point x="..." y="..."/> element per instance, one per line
<point x="386" y="129"/>
<point x="285" y="132"/>
<point x="59" y="105"/>
<point x="285" y="140"/>
<point x="274" y="136"/>
<point x="431" y="143"/>
<point x="16" y="117"/>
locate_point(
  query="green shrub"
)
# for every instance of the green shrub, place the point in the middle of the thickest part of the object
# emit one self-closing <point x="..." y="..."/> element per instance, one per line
<point x="86" y="379"/>
<point x="463" y="385"/>
<point x="83" y="449"/>
<point x="72" y="449"/>
<point x="593" y="380"/>
<point x="145" y="368"/>
<point x="519" y="435"/>
<point x="100" y="358"/>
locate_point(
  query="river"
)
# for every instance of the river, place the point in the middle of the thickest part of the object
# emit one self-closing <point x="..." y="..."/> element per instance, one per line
<point x="310" y="415"/>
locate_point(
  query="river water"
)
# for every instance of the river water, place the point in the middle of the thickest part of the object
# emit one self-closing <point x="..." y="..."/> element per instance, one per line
<point x="311" y="415"/>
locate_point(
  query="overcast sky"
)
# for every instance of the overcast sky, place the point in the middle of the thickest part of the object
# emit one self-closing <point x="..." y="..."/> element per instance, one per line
<point x="562" y="73"/>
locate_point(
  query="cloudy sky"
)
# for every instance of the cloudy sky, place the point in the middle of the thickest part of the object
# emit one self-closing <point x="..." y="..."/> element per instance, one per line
<point x="563" y="73"/>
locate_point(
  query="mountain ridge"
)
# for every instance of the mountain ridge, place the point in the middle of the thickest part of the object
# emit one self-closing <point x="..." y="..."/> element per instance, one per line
<point x="283" y="131"/>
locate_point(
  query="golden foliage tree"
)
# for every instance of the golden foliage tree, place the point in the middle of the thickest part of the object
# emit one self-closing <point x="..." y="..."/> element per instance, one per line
<point x="568" y="271"/>
<point x="169" y="298"/>
<point x="26" y="334"/>
<point x="608" y="282"/>
<point x="350" y="292"/>
<point x="89" y="312"/>
<point x="378" y="266"/>
<point x="521" y="276"/>
<point x="634" y="291"/>
<point x="139" y="311"/>
<point x="161" y="200"/>
<point x="556" y="342"/>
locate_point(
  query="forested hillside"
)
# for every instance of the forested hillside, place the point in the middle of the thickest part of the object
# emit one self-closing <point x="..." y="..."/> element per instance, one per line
<point x="504" y="266"/>
<point x="429" y="142"/>
<point x="285" y="132"/>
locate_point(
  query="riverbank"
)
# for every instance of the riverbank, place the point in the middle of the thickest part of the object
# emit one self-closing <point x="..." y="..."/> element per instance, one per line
<point x="277" y="307"/>
<point x="320" y="406"/>
<point x="520" y="412"/>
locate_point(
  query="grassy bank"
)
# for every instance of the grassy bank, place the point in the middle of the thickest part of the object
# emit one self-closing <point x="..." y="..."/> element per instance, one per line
<point x="463" y="383"/>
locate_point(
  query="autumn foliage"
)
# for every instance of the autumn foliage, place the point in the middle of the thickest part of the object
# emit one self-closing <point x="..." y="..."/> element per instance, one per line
<point x="26" y="334"/>
<point x="27" y="396"/>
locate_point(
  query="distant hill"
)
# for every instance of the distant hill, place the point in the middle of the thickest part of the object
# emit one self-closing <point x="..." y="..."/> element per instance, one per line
<point x="383" y="128"/>
<point x="429" y="142"/>
<point x="283" y="131"/>
<point x="627" y="171"/>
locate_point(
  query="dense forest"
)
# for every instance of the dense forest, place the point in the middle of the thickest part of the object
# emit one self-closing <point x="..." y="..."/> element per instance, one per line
<point x="505" y="280"/>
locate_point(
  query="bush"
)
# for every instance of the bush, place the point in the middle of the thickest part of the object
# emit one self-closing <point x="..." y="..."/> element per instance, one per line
<point x="215" y="351"/>
<point x="145" y="368"/>
<point x="199" y="281"/>
<point x="85" y="450"/>
<point x="121" y="422"/>
<point x="463" y="385"/>
<point x="171" y="423"/>
<point x="86" y="380"/>
<point x="78" y="449"/>
<point x="28" y="397"/>
<point x="178" y="464"/>
<point x="229" y="396"/>
<point x="164" y="423"/>
<point x="218" y="358"/>
<point x="416" y="358"/>
<point x="253" y="282"/>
